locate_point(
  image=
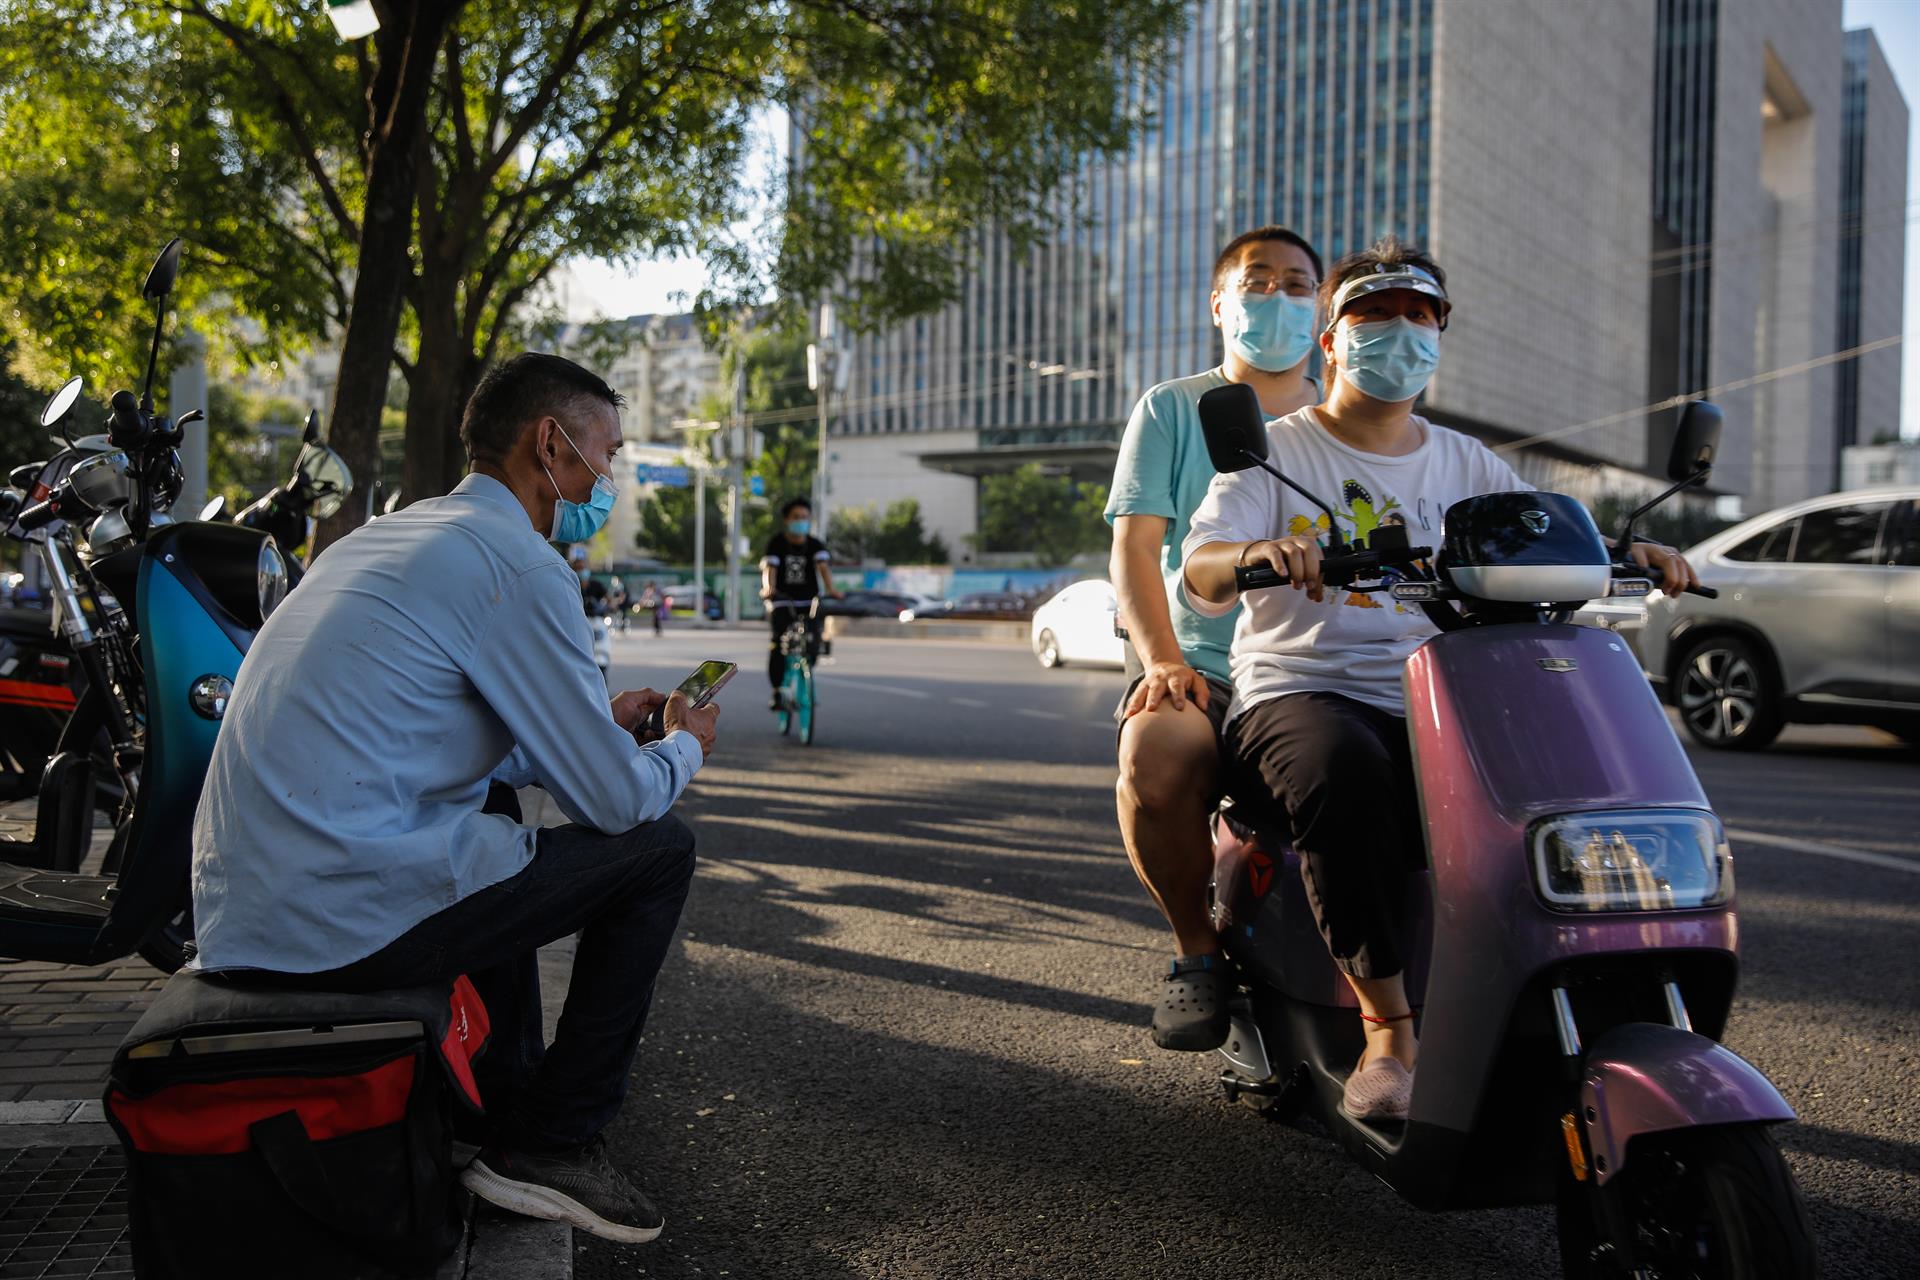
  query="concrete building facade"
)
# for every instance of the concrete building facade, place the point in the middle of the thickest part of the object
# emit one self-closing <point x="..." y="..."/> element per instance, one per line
<point x="1634" y="200"/>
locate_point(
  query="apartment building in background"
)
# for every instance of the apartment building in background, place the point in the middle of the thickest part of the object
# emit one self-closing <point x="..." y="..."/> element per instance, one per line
<point x="1633" y="199"/>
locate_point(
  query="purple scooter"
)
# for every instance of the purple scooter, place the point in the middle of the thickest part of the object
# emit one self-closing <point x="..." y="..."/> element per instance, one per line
<point x="1575" y="947"/>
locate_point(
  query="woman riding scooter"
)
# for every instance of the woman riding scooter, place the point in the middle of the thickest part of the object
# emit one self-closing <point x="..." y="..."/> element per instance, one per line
<point x="1318" y="737"/>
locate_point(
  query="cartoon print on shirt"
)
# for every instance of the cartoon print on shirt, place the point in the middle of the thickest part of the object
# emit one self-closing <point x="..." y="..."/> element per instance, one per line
<point x="1365" y="518"/>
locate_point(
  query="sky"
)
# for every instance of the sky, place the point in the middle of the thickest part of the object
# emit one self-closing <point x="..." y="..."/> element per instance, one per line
<point x="598" y="288"/>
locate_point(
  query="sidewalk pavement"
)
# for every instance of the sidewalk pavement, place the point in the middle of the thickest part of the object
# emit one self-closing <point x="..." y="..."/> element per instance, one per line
<point x="62" y="1178"/>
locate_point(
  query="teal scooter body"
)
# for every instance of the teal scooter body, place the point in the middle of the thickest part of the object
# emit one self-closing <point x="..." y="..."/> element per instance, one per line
<point x="197" y="603"/>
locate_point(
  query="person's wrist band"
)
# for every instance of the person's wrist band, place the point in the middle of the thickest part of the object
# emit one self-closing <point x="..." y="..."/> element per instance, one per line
<point x="1240" y="561"/>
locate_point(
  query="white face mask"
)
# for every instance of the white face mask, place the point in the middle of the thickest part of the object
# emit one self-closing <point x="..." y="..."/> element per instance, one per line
<point x="1387" y="359"/>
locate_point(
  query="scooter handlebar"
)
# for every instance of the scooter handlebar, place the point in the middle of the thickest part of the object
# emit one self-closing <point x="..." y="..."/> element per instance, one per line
<point x="1335" y="570"/>
<point x="1652" y="574"/>
<point x="38" y="516"/>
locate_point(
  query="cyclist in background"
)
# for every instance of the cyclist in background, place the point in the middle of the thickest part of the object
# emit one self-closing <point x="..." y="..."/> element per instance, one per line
<point x="793" y="568"/>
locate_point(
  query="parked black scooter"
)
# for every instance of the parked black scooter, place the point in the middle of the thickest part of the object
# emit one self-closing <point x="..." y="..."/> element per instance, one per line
<point x="160" y="667"/>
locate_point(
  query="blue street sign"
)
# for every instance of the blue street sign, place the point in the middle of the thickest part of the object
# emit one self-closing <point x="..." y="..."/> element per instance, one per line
<point x="665" y="476"/>
<point x="757" y="486"/>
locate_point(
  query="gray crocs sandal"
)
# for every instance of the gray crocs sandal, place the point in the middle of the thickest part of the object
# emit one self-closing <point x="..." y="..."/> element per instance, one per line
<point x="1192" y="1014"/>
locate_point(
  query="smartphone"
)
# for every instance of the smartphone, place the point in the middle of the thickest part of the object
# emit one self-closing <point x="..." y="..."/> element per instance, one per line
<point x="699" y="689"/>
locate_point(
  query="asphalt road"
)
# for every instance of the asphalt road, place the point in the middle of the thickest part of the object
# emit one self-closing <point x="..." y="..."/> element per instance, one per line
<point x="903" y="1034"/>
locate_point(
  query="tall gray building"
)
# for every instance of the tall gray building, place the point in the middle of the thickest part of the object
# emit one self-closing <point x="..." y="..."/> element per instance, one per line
<point x="1633" y="199"/>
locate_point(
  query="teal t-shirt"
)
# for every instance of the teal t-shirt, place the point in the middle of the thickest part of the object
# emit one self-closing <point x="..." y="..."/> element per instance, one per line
<point x="1164" y="471"/>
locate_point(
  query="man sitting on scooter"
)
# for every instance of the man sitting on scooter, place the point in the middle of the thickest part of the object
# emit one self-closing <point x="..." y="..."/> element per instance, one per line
<point x="343" y="840"/>
<point x="1317" y="735"/>
<point x="1175" y="705"/>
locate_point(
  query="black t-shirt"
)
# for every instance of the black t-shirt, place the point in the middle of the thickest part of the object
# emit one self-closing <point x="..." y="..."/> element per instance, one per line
<point x="794" y="575"/>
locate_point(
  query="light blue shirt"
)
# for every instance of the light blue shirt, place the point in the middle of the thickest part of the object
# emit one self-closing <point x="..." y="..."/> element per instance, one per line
<point x="1164" y="471"/>
<point x="424" y="654"/>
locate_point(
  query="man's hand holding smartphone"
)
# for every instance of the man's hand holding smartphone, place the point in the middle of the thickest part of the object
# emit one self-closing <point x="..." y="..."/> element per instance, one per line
<point x="698" y="721"/>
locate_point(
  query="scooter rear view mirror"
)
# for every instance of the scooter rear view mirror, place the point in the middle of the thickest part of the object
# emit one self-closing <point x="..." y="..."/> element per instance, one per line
<point x="1694" y="441"/>
<point x="62" y="402"/>
<point x="1235" y="429"/>
<point x="165" y="267"/>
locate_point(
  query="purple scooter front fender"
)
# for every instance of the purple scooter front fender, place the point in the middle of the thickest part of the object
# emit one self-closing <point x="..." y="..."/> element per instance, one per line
<point x="1644" y="1078"/>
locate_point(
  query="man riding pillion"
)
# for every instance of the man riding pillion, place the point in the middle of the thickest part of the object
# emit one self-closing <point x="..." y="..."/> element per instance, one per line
<point x="793" y="567"/>
<point x="1262" y="300"/>
<point x="343" y="840"/>
<point x="1317" y="736"/>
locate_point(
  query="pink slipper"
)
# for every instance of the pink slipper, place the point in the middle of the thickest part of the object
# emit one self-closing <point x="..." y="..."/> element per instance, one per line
<point x="1379" y="1092"/>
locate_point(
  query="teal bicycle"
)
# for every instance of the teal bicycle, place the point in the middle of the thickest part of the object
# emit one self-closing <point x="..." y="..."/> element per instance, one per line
<point x="800" y="644"/>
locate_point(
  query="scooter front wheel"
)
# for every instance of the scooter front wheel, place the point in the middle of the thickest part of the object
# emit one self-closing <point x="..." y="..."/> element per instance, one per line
<point x="1716" y="1204"/>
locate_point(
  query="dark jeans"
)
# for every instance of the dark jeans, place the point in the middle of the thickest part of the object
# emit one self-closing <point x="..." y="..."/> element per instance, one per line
<point x="780" y="620"/>
<point x="622" y="894"/>
<point x="1337" y="774"/>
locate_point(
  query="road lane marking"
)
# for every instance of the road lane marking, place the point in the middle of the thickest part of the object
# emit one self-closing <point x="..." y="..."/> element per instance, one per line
<point x="891" y="688"/>
<point x="1909" y="865"/>
<point x="969" y="702"/>
<point x="1039" y="715"/>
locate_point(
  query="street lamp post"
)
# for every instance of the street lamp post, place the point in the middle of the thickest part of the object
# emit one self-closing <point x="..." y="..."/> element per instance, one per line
<point x="822" y="365"/>
<point x="699" y="515"/>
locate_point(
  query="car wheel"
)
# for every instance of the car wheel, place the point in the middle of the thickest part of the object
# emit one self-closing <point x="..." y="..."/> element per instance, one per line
<point x="1725" y="691"/>
<point x="1048" y="650"/>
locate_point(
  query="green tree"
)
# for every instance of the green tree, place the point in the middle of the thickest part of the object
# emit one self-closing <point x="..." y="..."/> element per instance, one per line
<point x="454" y="160"/>
<point x="666" y="526"/>
<point x="252" y="443"/>
<point x="1048" y="515"/>
<point x="896" y="535"/>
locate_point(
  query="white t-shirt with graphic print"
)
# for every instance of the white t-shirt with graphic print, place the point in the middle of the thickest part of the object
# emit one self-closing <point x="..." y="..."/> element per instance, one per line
<point x="1350" y="643"/>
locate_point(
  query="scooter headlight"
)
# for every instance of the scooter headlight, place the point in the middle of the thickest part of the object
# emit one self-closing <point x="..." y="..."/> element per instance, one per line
<point x="1631" y="860"/>
<point x="271" y="577"/>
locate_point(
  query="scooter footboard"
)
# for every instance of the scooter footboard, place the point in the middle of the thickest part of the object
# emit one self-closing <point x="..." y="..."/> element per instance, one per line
<point x="1645" y="1078"/>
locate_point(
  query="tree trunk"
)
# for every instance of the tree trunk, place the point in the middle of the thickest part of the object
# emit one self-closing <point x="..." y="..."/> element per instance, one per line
<point x="405" y="49"/>
<point x="443" y="378"/>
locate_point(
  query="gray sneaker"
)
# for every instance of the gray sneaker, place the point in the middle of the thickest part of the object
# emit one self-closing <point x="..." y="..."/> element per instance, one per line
<point x="578" y="1187"/>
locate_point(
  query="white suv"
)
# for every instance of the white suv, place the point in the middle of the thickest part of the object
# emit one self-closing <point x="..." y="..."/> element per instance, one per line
<point x="1818" y="621"/>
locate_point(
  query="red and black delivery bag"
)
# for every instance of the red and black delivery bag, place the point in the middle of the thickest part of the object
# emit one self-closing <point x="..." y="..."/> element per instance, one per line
<point x="271" y="1132"/>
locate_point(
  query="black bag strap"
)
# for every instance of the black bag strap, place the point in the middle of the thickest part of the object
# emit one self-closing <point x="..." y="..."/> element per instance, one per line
<point x="284" y="1145"/>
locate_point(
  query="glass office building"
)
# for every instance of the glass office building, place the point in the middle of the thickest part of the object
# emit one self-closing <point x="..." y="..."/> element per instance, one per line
<point x="1312" y="114"/>
<point x="1634" y="201"/>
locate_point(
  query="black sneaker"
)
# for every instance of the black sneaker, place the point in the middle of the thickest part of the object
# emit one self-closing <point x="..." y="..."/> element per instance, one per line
<point x="776" y="702"/>
<point x="1192" y="1014"/>
<point x="578" y="1187"/>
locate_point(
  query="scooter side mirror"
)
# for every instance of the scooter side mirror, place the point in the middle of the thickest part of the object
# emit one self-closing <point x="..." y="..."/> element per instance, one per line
<point x="1234" y="426"/>
<point x="312" y="434"/>
<point x="1694" y="441"/>
<point x="165" y="268"/>
<point x="62" y="401"/>
<point x="213" y="509"/>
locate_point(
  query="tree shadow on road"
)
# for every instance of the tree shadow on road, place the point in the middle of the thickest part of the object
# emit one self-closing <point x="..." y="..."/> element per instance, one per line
<point x="846" y="1151"/>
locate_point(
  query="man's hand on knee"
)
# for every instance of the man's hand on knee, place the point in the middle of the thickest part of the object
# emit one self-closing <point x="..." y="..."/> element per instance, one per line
<point x="1173" y="682"/>
<point x="700" y="722"/>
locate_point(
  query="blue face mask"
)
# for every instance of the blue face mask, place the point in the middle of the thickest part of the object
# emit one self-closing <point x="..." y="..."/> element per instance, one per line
<point x="579" y="521"/>
<point x="799" y="528"/>
<point x="1387" y="359"/>
<point x="1272" y="332"/>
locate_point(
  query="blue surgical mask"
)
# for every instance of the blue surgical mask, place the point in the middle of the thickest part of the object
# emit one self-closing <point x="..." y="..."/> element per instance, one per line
<point x="799" y="528"/>
<point x="1272" y="332"/>
<point x="579" y="521"/>
<point x="1387" y="359"/>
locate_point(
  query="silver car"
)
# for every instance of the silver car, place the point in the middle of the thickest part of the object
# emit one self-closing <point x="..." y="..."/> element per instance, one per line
<point x="1818" y="621"/>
